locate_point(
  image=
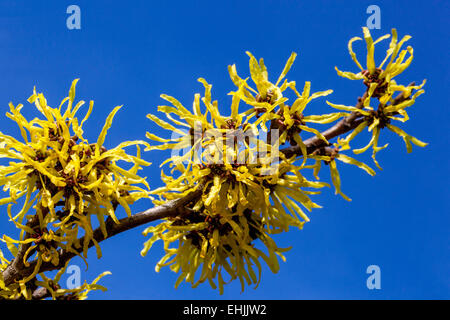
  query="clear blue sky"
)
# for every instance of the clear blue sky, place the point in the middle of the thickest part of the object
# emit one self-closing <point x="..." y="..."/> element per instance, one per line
<point x="129" y="52"/>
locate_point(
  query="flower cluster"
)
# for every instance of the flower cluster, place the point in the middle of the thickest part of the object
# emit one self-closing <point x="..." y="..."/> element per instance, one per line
<point x="250" y="190"/>
<point x="24" y="290"/>
<point x="382" y="86"/>
<point x="254" y="172"/>
<point x="66" y="179"/>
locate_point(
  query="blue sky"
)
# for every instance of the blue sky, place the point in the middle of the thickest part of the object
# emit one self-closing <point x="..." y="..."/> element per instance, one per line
<point x="129" y="52"/>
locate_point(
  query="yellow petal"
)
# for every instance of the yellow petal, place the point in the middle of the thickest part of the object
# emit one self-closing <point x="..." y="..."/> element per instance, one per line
<point x="352" y="54"/>
<point x="108" y="123"/>
<point x="287" y="67"/>
<point x="370" y="50"/>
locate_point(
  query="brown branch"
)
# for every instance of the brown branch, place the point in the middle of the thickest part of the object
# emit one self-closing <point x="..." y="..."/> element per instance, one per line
<point x="345" y="125"/>
<point x="170" y="209"/>
<point x="17" y="263"/>
<point x="40" y="293"/>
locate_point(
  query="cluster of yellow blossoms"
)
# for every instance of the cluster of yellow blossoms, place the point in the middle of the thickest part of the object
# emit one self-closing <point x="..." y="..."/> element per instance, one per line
<point x="382" y="86"/>
<point x="67" y="181"/>
<point x="250" y="189"/>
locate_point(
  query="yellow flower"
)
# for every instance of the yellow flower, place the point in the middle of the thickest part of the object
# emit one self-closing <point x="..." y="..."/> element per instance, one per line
<point x="375" y="121"/>
<point x="381" y="85"/>
<point x="329" y="155"/>
<point x="67" y="179"/>
<point x="244" y="199"/>
<point x="379" y="80"/>
<point x="267" y="94"/>
<point x="78" y="293"/>
<point x="290" y="121"/>
<point x="219" y="234"/>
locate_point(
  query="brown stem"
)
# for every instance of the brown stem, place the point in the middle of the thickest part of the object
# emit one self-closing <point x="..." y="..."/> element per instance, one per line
<point x="345" y="125"/>
<point x="169" y="209"/>
<point x="40" y="293"/>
